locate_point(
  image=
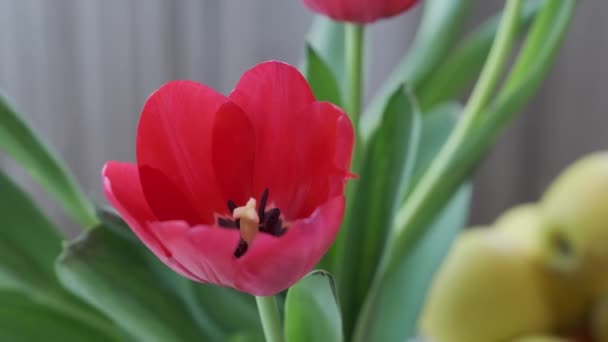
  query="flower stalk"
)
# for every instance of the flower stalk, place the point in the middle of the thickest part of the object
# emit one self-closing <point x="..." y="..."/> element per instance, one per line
<point x="423" y="203"/>
<point x="271" y="321"/>
<point x="354" y="42"/>
<point x="490" y="75"/>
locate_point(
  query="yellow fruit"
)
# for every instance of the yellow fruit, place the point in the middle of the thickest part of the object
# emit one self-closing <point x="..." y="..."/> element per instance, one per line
<point x="575" y="218"/>
<point x="599" y="321"/>
<point x="524" y="223"/>
<point x="564" y="292"/>
<point x="487" y="290"/>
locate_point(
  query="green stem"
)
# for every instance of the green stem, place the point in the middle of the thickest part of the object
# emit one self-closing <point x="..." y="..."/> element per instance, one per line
<point x="271" y="321"/>
<point x="412" y="218"/>
<point x="484" y="88"/>
<point x="353" y="60"/>
<point x="354" y="70"/>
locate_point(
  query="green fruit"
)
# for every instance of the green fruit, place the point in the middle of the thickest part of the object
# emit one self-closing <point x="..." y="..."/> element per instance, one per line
<point x="488" y="289"/>
<point x="575" y="219"/>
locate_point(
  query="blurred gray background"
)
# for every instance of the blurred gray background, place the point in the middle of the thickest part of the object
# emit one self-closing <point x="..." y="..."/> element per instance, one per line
<point x="82" y="69"/>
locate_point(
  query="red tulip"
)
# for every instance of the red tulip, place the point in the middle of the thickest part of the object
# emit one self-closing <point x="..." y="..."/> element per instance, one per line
<point x="244" y="191"/>
<point x="360" y="11"/>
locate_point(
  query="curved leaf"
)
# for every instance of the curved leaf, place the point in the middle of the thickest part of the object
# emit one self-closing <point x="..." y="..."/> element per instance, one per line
<point x="21" y="142"/>
<point x="441" y="23"/>
<point x="326" y="37"/>
<point x="465" y="63"/>
<point x="216" y="309"/>
<point x="23" y="320"/>
<point x="111" y="275"/>
<point x="29" y="244"/>
<point x="311" y="310"/>
<point x="321" y="78"/>
<point x="386" y="169"/>
<point x="394" y="316"/>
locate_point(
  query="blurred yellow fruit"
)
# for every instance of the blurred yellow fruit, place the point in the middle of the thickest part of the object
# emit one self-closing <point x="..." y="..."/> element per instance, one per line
<point x="575" y="215"/>
<point x="563" y="290"/>
<point x="524" y="223"/>
<point x="487" y="290"/>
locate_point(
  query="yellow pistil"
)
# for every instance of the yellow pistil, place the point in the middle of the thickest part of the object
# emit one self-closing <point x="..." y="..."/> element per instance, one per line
<point x="249" y="220"/>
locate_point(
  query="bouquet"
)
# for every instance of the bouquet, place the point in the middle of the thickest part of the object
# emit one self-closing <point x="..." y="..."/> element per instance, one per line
<point x="289" y="210"/>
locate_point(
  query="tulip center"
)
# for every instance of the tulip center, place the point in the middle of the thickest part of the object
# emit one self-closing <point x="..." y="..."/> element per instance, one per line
<point x="250" y="221"/>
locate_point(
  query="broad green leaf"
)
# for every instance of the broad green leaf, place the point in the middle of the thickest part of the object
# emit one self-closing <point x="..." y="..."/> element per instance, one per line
<point x="21" y="143"/>
<point x="216" y="309"/>
<point x="437" y="124"/>
<point x="23" y="320"/>
<point x="386" y="169"/>
<point x="321" y="78"/>
<point x="465" y="62"/>
<point x="394" y="316"/>
<point x="441" y="23"/>
<point x="247" y="337"/>
<point x="312" y="312"/>
<point x="410" y="283"/>
<point x="539" y="51"/>
<point x="29" y="244"/>
<point x="326" y="37"/>
<point x="106" y="271"/>
<point x="230" y="309"/>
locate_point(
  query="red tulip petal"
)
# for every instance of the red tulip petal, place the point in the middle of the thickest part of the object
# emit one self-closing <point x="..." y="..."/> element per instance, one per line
<point x="271" y="264"/>
<point x="233" y="152"/>
<point x="174" y="152"/>
<point x="360" y="11"/>
<point x="207" y="251"/>
<point x="123" y="190"/>
<point x="303" y="147"/>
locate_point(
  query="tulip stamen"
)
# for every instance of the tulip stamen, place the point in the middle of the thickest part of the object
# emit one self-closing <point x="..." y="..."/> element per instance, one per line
<point x="250" y="222"/>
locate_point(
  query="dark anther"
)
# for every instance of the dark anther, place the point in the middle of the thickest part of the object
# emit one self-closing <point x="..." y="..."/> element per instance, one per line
<point x="270" y="222"/>
<point x="262" y="206"/>
<point x="226" y="223"/>
<point x="231" y="206"/>
<point x="241" y="249"/>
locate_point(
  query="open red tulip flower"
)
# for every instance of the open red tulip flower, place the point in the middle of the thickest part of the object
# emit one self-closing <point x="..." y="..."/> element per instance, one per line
<point x="360" y="11"/>
<point x="244" y="191"/>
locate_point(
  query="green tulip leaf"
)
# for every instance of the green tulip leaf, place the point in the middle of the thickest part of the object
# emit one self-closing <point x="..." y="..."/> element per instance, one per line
<point x="217" y="311"/>
<point x="321" y="78"/>
<point x="440" y="25"/>
<point x="326" y="37"/>
<point x="450" y="78"/>
<point x="311" y="310"/>
<point x="29" y="244"/>
<point x="230" y="309"/>
<point x="437" y="124"/>
<point x="21" y="143"/>
<point x="402" y="296"/>
<point x="106" y="271"/>
<point x="22" y="319"/>
<point x="247" y="337"/>
<point x="386" y="170"/>
<point x="399" y="301"/>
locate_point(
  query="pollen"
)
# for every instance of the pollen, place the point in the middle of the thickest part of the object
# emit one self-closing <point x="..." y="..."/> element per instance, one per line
<point x="249" y="220"/>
